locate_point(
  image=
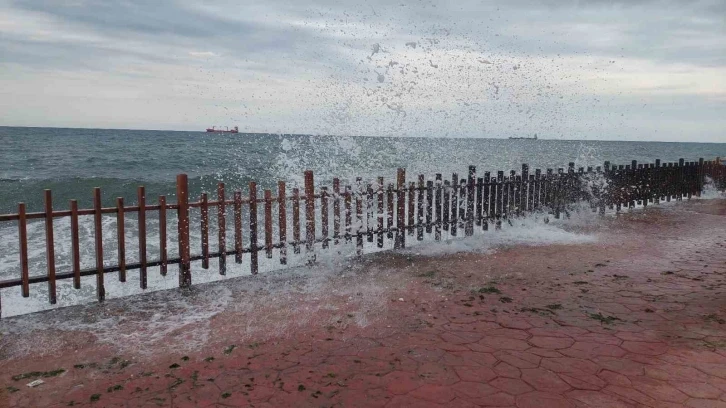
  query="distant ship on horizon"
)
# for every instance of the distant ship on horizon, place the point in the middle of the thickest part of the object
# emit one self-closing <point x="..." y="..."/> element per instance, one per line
<point x="523" y="138"/>
<point x="214" y="129"/>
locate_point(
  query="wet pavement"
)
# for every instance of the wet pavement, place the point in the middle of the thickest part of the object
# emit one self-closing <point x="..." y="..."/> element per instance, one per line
<point x="637" y="319"/>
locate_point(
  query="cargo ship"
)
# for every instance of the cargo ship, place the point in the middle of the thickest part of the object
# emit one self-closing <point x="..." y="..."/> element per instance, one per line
<point x="523" y="138"/>
<point x="214" y="129"/>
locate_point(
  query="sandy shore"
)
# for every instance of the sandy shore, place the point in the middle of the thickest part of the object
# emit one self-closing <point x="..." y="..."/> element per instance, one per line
<point x="634" y="317"/>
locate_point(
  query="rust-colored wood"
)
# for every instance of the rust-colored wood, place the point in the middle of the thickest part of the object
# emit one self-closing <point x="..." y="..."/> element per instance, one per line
<point x="454" y="204"/>
<point x="182" y="196"/>
<point x="268" y="223"/>
<point x="524" y="190"/>
<point x="163" y="257"/>
<point x="438" y="192"/>
<point x="429" y="205"/>
<point x="238" y="248"/>
<point x="381" y="211"/>
<point x="420" y="207"/>
<point x="359" y="219"/>
<point x="98" y="232"/>
<point x="141" y="192"/>
<point x="23" y="244"/>
<point x="309" y="211"/>
<point x="324" y="215"/>
<point x="369" y="212"/>
<point x="479" y="201"/>
<point x="336" y="210"/>
<point x="121" y="239"/>
<point x="389" y="198"/>
<point x="411" y="207"/>
<point x="469" y="216"/>
<point x="447" y="204"/>
<point x="254" y="263"/>
<point x="296" y="220"/>
<point x="348" y="213"/>
<point x="486" y="201"/>
<point x="222" y="229"/>
<point x="401" y="210"/>
<point x="49" y="246"/>
<point x="499" y="199"/>
<point x="204" y="212"/>
<point x="282" y="221"/>
<point x="75" y="246"/>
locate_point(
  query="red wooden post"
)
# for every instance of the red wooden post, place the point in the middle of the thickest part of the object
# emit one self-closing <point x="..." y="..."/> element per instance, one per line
<point x="336" y="210"/>
<point x="23" y="243"/>
<point x="142" y="236"/>
<point x="282" y="207"/>
<point x="324" y="215"/>
<point x="268" y="223"/>
<point x="380" y="212"/>
<point x="182" y="194"/>
<point x="309" y="210"/>
<point x="437" y="225"/>
<point x="75" y="246"/>
<point x="204" y="211"/>
<point x="49" y="247"/>
<point x="253" y="229"/>
<point x="420" y="208"/>
<point x="100" y="287"/>
<point x="296" y="220"/>
<point x="359" y="218"/>
<point x="401" y="209"/>
<point x="411" y="207"/>
<point x="348" y="213"/>
<point x="162" y="235"/>
<point x="222" y="229"/>
<point x="121" y="239"/>
<point x="238" y="226"/>
<point x="471" y="179"/>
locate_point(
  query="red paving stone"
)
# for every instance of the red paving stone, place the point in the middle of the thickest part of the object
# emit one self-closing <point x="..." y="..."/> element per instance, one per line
<point x="636" y="320"/>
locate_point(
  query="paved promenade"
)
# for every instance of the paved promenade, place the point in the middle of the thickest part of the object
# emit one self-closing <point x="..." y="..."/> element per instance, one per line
<point x="637" y="319"/>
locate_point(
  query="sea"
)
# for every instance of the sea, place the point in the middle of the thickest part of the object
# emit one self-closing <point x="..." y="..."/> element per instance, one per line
<point x="71" y="162"/>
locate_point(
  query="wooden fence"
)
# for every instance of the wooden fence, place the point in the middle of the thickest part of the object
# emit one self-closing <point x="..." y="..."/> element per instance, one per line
<point x="374" y="212"/>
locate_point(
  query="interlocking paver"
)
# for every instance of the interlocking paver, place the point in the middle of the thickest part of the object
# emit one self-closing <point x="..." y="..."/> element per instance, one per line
<point x="634" y="320"/>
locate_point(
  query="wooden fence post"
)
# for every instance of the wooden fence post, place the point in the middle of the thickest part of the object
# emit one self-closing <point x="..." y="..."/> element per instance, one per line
<point x="437" y="226"/>
<point x="268" y="223"/>
<point x="182" y="196"/>
<point x="49" y="246"/>
<point x="324" y="214"/>
<point x="701" y="177"/>
<point x="254" y="259"/>
<point x="282" y="222"/>
<point x="141" y="192"/>
<point x="98" y="232"/>
<point x="309" y="211"/>
<point x="296" y="220"/>
<point x="162" y="235"/>
<point x="469" y="227"/>
<point x="336" y="210"/>
<point x="237" y="210"/>
<point x="455" y="194"/>
<point x="222" y="228"/>
<point x="420" y="208"/>
<point x="486" y="201"/>
<point x="23" y="245"/>
<point x="204" y="212"/>
<point x="401" y="210"/>
<point x="381" y="212"/>
<point x="121" y="239"/>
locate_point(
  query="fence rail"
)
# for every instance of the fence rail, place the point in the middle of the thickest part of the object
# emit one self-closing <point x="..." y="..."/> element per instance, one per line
<point x="371" y="212"/>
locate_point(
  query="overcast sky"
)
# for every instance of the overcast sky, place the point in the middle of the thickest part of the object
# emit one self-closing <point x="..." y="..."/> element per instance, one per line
<point x="587" y="69"/>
